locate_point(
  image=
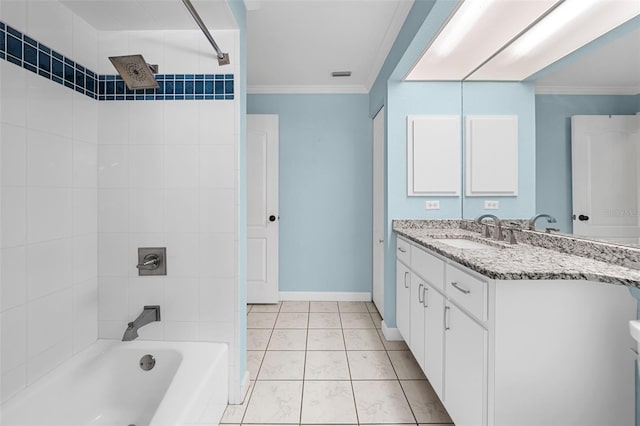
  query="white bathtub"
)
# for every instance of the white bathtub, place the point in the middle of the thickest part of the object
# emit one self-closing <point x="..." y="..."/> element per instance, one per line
<point x="104" y="385"/>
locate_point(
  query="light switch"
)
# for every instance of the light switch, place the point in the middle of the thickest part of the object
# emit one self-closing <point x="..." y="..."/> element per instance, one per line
<point x="432" y="205"/>
<point x="491" y="205"/>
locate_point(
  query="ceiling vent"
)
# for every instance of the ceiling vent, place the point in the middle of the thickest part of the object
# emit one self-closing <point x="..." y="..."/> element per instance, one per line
<point x="341" y="74"/>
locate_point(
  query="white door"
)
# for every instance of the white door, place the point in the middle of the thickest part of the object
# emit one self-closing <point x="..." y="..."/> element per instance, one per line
<point x="262" y="208"/>
<point x="378" y="211"/>
<point x="605" y="172"/>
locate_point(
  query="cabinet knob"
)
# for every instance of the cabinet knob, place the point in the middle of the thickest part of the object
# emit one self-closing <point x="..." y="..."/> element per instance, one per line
<point x="583" y="217"/>
<point x="272" y="218"/>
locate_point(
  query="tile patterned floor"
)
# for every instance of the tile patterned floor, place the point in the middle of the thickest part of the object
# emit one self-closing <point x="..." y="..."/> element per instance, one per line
<point x="327" y="363"/>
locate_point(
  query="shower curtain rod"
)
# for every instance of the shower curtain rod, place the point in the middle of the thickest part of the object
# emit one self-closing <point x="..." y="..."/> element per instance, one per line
<point x="223" y="58"/>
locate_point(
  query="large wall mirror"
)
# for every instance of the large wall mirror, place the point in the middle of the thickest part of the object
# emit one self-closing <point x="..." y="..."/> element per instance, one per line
<point x="600" y="81"/>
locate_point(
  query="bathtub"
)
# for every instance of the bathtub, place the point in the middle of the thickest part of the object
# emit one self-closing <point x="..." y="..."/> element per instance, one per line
<point x="105" y="385"/>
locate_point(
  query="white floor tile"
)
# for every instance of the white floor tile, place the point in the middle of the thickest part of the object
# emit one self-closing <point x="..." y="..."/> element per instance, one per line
<point x="362" y="340"/>
<point x="356" y="320"/>
<point x="381" y="401"/>
<point x="235" y="413"/>
<point x="326" y="365"/>
<point x="406" y="365"/>
<point x="324" y="320"/>
<point x="294" y="307"/>
<point x="377" y="319"/>
<point x="282" y="365"/>
<point x="292" y="320"/>
<point x="288" y="340"/>
<point x="275" y="402"/>
<point x="323" y="307"/>
<point x="275" y="307"/>
<point x="258" y="338"/>
<point x="370" y="365"/>
<point x="261" y="320"/>
<point x="325" y="340"/>
<point x="371" y="307"/>
<point x="254" y="359"/>
<point x="393" y="345"/>
<point x="424" y="402"/>
<point x="328" y="402"/>
<point x="352" y="307"/>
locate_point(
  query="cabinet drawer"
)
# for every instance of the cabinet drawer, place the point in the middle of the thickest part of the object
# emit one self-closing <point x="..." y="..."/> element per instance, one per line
<point x="404" y="251"/>
<point x="467" y="291"/>
<point x="428" y="267"/>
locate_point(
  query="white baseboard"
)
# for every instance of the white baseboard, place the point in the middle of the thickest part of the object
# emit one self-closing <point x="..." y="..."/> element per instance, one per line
<point x="325" y="296"/>
<point x="391" y="333"/>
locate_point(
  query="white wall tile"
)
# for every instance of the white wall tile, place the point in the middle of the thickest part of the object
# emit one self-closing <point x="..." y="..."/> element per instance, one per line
<point x="181" y="299"/>
<point x="113" y="166"/>
<point x="111" y="329"/>
<point x="84" y="42"/>
<point x="85" y="258"/>
<point x="13" y="155"/>
<point x="145" y="123"/>
<point x="49" y="160"/>
<point x="14" y="13"/>
<point x="13" y="381"/>
<point x="217" y="210"/>
<point x="144" y="291"/>
<point x="216" y="295"/>
<point x="112" y="299"/>
<point x="217" y="332"/>
<point x="14" y="338"/>
<point x="85" y="314"/>
<point x="85" y="118"/>
<point x="145" y="166"/>
<point x="181" y="122"/>
<point x="113" y="255"/>
<point x="111" y="43"/>
<point x="49" y="213"/>
<point x="85" y="211"/>
<point x="153" y="331"/>
<point x="49" y="106"/>
<point x="181" y="51"/>
<point x="181" y="331"/>
<point x="85" y="165"/>
<point x="217" y="255"/>
<point x="181" y="210"/>
<point x="149" y="45"/>
<point x="14" y="277"/>
<point x="13" y="218"/>
<point x="51" y="21"/>
<point x="113" y="210"/>
<point x="49" y="322"/>
<point x="180" y="166"/>
<point x="215" y="120"/>
<point x="50" y="267"/>
<point x="182" y="252"/>
<point x="13" y="85"/>
<point x="217" y="166"/>
<point x="145" y="210"/>
<point x="45" y="361"/>
<point x="113" y="123"/>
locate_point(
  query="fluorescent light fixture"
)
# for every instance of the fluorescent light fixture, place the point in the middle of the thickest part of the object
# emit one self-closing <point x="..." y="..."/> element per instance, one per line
<point x="462" y="22"/>
<point x="551" y="24"/>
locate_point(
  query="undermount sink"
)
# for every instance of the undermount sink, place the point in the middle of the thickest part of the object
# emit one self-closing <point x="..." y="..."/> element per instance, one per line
<point x="463" y="243"/>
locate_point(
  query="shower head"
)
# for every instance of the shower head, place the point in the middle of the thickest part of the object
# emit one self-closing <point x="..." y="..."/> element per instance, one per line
<point x="135" y="71"/>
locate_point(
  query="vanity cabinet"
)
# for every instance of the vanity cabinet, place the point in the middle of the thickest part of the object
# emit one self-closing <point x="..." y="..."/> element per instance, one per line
<point x="518" y="352"/>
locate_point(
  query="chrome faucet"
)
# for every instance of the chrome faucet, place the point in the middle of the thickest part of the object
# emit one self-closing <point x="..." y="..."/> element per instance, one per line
<point x="498" y="234"/>
<point x="148" y="315"/>
<point x="532" y="221"/>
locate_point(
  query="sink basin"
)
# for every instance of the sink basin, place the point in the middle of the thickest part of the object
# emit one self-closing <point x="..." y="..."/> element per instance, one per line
<point x="463" y="243"/>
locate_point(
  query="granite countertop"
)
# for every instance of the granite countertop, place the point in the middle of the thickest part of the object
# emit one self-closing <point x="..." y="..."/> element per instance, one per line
<point x="531" y="258"/>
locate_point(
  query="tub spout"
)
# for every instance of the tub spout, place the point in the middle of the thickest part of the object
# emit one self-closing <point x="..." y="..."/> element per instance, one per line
<point x="148" y="315"/>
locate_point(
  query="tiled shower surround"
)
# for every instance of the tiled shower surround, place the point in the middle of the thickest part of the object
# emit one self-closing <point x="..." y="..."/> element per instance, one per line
<point x="86" y="181"/>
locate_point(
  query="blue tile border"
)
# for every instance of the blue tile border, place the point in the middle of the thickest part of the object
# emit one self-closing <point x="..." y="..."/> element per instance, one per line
<point x="25" y="52"/>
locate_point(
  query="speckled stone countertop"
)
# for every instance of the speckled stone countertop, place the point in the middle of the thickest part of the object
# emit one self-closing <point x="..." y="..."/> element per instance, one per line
<point x="536" y="256"/>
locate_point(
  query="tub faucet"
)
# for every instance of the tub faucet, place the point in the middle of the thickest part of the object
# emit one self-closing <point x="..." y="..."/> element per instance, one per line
<point x="148" y="315"/>
<point x="532" y="221"/>
<point x="498" y="234"/>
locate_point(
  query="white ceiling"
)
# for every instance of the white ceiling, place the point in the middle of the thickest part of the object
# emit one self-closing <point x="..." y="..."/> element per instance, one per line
<point x="294" y="45"/>
<point x="612" y="69"/>
<point x="123" y="15"/>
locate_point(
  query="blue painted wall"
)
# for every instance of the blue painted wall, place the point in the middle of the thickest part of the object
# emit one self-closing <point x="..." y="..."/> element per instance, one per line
<point x="553" y="147"/>
<point x="325" y="190"/>
<point x="505" y="98"/>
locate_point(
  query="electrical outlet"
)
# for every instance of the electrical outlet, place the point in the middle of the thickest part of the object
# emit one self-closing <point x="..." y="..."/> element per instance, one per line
<point x="491" y="205"/>
<point x="432" y="205"/>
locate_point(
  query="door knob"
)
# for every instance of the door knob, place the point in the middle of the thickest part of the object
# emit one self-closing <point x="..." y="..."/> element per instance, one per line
<point x="272" y="218"/>
<point x="583" y="217"/>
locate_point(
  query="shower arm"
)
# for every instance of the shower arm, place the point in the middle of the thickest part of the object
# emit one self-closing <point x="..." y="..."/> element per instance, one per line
<point x="223" y="58"/>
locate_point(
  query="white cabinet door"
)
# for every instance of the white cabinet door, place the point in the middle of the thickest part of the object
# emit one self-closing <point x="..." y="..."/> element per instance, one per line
<point x="465" y="368"/>
<point x="434" y="338"/>
<point x="416" y="321"/>
<point x="403" y="290"/>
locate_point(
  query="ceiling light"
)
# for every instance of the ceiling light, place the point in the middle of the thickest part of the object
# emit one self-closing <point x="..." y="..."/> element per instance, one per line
<point x="461" y="23"/>
<point x="548" y="26"/>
